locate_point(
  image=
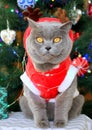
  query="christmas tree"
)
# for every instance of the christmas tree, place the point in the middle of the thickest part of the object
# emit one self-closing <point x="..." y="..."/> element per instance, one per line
<point x="12" y="24"/>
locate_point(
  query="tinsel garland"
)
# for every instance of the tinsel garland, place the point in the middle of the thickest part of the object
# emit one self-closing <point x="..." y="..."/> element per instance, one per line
<point x="3" y="103"/>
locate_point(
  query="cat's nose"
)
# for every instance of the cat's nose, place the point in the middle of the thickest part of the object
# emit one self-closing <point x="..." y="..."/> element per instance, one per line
<point x="48" y="48"/>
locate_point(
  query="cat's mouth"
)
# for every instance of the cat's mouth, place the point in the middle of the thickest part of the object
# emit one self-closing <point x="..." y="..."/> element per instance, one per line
<point x="51" y="55"/>
<point x="51" y="58"/>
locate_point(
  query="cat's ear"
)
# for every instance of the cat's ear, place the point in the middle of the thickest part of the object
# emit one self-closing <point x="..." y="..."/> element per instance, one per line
<point x="32" y="23"/>
<point x="66" y="26"/>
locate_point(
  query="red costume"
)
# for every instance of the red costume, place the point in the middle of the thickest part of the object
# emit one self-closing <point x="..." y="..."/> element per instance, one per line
<point x="48" y="83"/>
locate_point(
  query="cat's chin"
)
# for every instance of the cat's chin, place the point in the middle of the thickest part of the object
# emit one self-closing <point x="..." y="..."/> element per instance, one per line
<point x="44" y="67"/>
<point x="49" y="58"/>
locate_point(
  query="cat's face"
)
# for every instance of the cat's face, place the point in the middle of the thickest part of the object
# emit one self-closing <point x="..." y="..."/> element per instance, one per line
<point x="49" y="42"/>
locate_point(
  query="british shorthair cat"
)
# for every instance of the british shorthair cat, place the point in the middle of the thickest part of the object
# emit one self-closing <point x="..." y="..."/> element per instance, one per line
<point x="48" y="46"/>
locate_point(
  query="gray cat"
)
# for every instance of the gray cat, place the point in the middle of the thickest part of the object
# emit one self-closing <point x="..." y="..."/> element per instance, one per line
<point x="48" y="46"/>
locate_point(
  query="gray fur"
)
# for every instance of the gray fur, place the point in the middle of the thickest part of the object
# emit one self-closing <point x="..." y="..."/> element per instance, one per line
<point x="42" y="58"/>
<point x="65" y="107"/>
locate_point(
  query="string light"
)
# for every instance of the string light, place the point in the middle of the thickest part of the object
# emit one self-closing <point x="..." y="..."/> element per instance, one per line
<point x="16" y="11"/>
<point x="89" y="71"/>
<point x="0" y="45"/>
<point x="9" y="105"/>
<point x="18" y="44"/>
<point x="51" y="5"/>
<point x="12" y="10"/>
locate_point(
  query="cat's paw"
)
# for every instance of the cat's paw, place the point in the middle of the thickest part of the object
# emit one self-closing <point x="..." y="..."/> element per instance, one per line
<point x="60" y="123"/>
<point x="43" y="124"/>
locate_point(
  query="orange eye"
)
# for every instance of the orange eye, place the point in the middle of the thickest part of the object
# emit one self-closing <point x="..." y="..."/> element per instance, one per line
<point x="57" y="39"/>
<point x="39" y="39"/>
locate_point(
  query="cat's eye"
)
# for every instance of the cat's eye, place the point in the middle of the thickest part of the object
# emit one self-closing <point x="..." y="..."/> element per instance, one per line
<point x="56" y="39"/>
<point x="39" y="39"/>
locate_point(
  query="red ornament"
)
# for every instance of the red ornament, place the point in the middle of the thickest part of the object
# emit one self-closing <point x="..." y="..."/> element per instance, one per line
<point x="89" y="10"/>
<point x="82" y="64"/>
